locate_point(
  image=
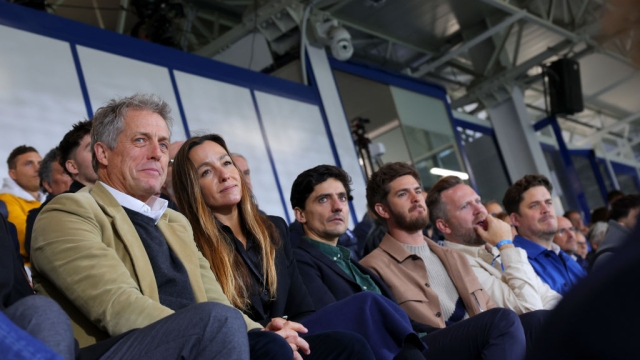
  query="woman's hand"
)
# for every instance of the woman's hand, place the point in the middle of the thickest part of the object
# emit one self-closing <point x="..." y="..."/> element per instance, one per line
<point x="289" y="331"/>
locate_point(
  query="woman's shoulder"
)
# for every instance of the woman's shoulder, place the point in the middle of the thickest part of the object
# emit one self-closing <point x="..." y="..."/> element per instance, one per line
<point x="280" y="224"/>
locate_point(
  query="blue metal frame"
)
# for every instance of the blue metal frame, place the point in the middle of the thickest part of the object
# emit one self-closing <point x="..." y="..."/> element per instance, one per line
<point x="570" y="170"/>
<point x="83" y="84"/>
<point x="409" y="83"/>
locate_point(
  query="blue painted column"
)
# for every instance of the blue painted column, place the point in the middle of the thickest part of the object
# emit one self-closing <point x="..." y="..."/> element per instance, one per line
<point x="570" y="169"/>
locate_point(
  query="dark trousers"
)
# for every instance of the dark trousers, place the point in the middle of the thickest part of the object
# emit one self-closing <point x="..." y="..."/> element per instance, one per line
<point x="337" y="345"/>
<point x="494" y="334"/>
<point x="532" y="323"/>
<point x="384" y="325"/>
<point x="201" y="331"/>
<point x="41" y="318"/>
<point x="265" y="345"/>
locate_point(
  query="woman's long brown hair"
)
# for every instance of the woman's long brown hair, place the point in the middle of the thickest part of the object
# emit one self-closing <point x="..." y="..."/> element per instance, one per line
<point x="227" y="265"/>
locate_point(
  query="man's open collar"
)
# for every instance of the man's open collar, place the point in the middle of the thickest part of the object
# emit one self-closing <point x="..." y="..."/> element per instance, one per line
<point x="533" y="249"/>
<point x="394" y="248"/>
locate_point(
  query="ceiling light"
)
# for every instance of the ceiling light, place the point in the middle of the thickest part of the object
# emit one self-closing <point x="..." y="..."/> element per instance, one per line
<point x="445" y="172"/>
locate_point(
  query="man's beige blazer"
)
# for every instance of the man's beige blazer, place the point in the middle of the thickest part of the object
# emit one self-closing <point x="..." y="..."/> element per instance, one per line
<point x="87" y="255"/>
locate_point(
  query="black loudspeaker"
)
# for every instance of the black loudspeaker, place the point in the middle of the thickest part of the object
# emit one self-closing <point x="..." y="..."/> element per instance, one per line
<point x="565" y="89"/>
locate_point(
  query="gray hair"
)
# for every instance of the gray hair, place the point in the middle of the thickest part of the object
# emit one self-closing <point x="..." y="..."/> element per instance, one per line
<point x="46" y="166"/>
<point x="108" y="121"/>
<point x="597" y="232"/>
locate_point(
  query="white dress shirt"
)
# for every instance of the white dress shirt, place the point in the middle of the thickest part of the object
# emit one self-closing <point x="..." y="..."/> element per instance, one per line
<point x="154" y="208"/>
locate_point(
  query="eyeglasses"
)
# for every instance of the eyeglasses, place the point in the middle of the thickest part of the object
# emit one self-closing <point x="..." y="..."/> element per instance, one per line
<point x="562" y="231"/>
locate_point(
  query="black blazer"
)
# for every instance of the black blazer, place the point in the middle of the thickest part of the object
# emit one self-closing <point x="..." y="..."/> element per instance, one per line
<point x="292" y="299"/>
<point x="328" y="283"/>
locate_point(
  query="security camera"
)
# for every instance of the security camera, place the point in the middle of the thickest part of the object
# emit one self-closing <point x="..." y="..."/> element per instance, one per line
<point x="332" y="34"/>
<point x="340" y="43"/>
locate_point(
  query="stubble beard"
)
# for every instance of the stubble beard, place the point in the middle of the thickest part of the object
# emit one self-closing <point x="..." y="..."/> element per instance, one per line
<point x="407" y="224"/>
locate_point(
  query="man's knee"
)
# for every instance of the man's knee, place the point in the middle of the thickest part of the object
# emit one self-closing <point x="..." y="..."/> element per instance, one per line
<point x="504" y="318"/>
<point x="41" y="308"/>
<point x="218" y="314"/>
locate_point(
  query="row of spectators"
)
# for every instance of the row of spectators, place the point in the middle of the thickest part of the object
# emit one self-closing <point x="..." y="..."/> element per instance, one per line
<point x="152" y="249"/>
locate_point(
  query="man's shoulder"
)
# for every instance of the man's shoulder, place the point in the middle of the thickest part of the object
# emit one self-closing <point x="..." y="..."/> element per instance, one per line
<point x="375" y="259"/>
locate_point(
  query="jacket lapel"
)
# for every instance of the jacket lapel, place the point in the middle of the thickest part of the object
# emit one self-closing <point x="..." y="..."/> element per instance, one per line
<point x="465" y="285"/>
<point x="128" y="235"/>
<point x="317" y="254"/>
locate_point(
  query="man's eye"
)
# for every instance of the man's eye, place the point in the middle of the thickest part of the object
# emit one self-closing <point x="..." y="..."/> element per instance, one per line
<point x="343" y="198"/>
<point x="322" y="199"/>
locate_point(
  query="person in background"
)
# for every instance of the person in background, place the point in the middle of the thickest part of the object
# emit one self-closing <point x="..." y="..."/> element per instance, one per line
<point x="75" y="155"/>
<point x="167" y="191"/>
<point x="505" y="217"/>
<point x="21" y="191"/>
<point x="576" y="219"/>
<point x="493" y="207"/>
<point x="612" y="196"/>
<point x="623" y="217"/>
<point x="55" y="180"/>
<point x="582" y="249"/>
<point x="567" y="239"/>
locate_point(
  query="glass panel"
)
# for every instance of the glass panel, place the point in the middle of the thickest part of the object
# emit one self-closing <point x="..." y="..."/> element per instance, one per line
<point x="561" y="185"/>
<point x="395" y="146"/>
<point x="428" y="132"/>
<point x="484" y="158"/>
<point x="588" y="181"/>
<point x="627" y="183"/>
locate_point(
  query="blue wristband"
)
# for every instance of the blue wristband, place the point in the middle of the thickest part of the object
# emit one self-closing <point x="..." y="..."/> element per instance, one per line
<point x="503" y="242"/>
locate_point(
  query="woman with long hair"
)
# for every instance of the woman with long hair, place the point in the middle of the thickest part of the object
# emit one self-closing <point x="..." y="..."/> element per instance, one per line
<point x="252" y="259"/>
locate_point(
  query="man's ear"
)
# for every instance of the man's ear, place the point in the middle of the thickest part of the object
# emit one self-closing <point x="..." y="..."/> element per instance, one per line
<point x="47" y="187"/>
<point x="102" y="153"/>
<point x="515" y="219"/>
<point x="71" y="167"/>
<point x="382" y="211"/>
<point x="299" y="215"/>
<point x="12" y="174"/>
<point x="443" y="227"/>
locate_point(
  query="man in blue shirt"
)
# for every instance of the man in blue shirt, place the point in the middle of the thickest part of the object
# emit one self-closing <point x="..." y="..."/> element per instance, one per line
<point x="529" y="205"/>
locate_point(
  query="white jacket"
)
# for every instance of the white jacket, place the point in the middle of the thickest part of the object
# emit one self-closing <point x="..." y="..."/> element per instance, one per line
<point x="518" y="287"/>
<point x="9" y="186"/>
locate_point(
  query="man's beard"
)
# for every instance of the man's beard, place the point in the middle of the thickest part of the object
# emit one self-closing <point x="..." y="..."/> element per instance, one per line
<point x="407" y="224"/>
<point x="467" y="236"/>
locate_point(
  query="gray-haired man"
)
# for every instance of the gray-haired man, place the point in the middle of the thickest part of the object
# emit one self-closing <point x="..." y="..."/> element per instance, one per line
<point x="116" y="259"/>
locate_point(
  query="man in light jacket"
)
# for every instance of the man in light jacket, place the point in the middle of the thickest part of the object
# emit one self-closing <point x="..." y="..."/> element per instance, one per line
<point x="503" y="270"/>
